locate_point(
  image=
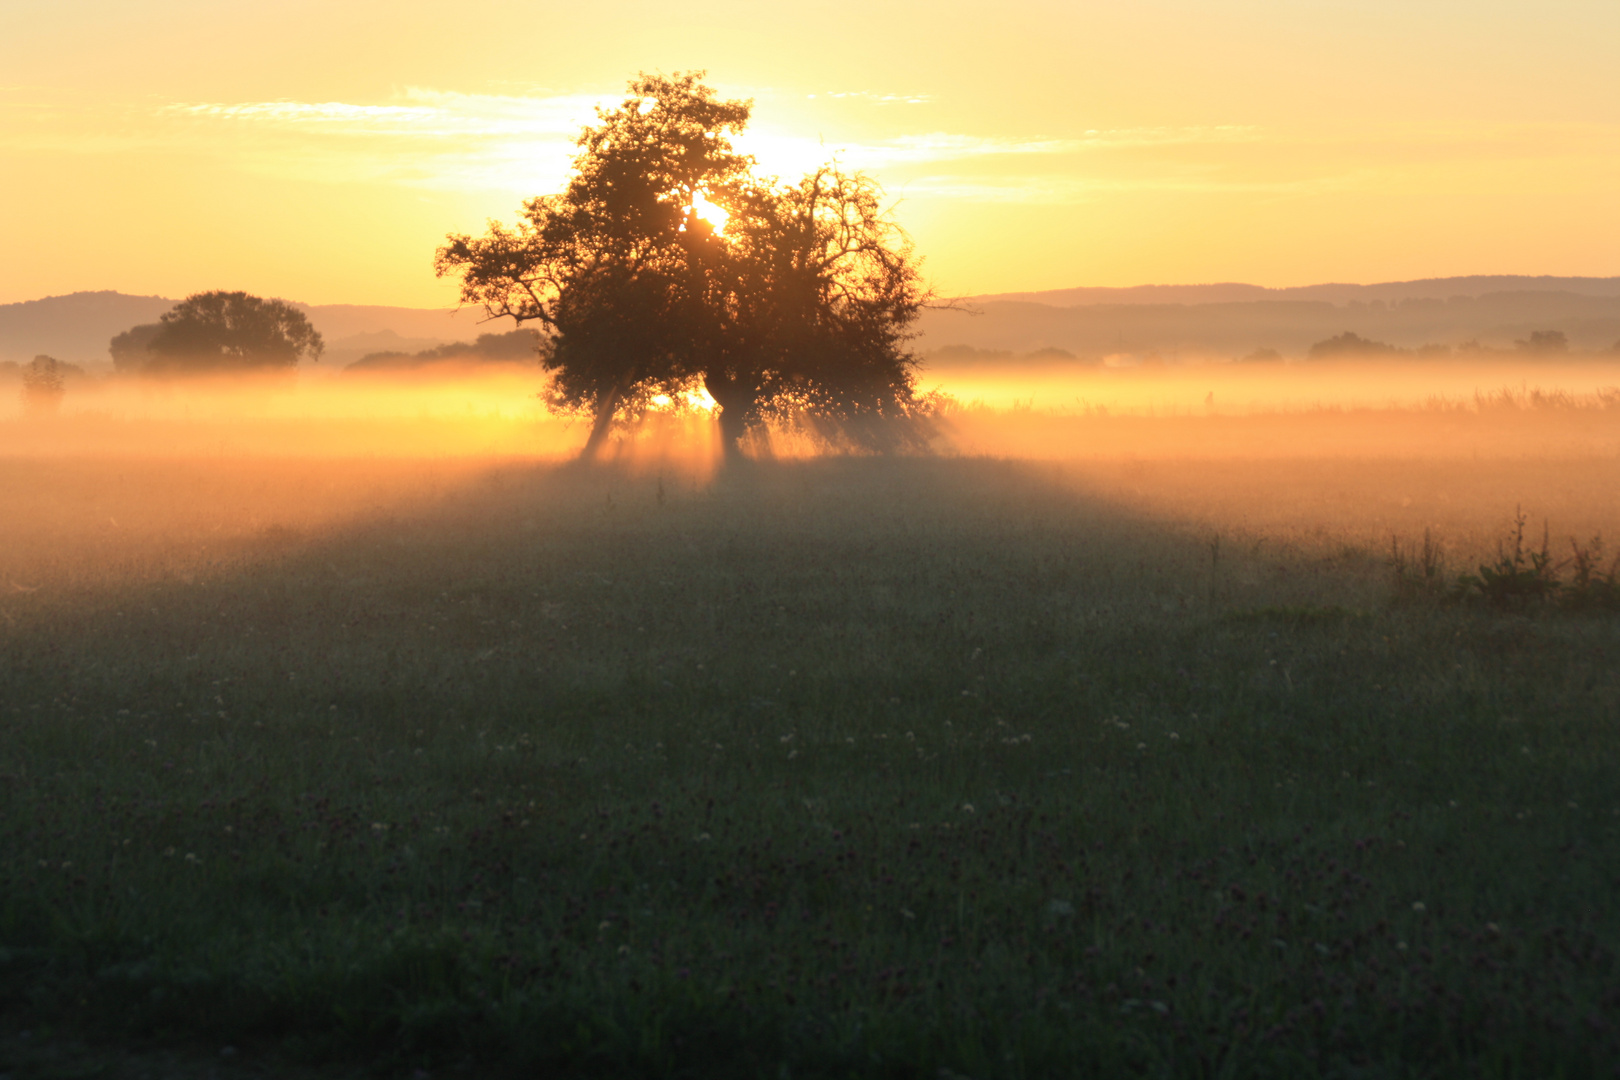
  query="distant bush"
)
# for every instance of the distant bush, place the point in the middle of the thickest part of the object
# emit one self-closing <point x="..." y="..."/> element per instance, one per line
<point x="1350" y="344"/>
<point x="44" y="384"/>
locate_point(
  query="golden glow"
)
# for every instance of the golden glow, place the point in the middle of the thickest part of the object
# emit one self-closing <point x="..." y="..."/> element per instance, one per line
<point x="1451" y="409"/>
<point x="327" y="151"/>
<point x="695" y="399"/>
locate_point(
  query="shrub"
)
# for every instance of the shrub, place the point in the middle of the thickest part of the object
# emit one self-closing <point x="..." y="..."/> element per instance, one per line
<point x="1518" y="578"/>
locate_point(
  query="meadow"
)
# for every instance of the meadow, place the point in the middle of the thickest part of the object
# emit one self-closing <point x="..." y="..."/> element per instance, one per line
<point x="1071" y="750"/>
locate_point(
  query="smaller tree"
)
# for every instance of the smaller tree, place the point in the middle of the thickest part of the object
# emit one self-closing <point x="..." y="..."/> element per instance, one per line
<point x="43" y="386"/>
<point x="216" y="332"/>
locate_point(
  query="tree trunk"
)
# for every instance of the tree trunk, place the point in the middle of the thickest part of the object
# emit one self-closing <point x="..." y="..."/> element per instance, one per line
<point x="733" y="427"/>
<point x="606" y="406"/>
<point x="735" y="402"/>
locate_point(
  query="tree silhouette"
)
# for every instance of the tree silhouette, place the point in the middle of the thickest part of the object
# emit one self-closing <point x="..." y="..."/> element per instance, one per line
<point x="43" y="385"/>
<point x="217" y="332"/>
<point x="798" y="308"/>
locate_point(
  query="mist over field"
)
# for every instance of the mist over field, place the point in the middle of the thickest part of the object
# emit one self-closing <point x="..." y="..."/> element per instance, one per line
<point x="1159" y="708"/>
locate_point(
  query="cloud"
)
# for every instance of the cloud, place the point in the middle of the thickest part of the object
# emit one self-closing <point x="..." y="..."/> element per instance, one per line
<point x="1059" y="189"/>
<point x="426" y="138"/>
<point x="453" y="140"/>
<point x="521" y="143"/>
<point x="424" y="113"/>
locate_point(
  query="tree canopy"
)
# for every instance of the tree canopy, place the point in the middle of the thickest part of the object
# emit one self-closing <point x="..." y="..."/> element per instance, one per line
<point x="796" y="306"/>
<point x="129" y="349"/>
<point x="218" y="332"/>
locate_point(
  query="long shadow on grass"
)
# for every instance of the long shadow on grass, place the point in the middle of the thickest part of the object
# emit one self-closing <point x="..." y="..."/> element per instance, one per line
<point x="829" y="768"/>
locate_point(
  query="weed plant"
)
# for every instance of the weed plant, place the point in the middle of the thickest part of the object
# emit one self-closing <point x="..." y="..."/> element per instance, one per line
<point x="1518" y="580"/>
<point x="828" y="769"/>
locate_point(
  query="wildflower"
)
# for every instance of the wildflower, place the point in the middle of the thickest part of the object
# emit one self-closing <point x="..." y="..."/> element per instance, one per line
<point x="967" y="808"/>
<point x="1419" y="906"/>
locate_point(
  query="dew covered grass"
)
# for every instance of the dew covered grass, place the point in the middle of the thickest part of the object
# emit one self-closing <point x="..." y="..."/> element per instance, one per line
<point x="843" y="768"/>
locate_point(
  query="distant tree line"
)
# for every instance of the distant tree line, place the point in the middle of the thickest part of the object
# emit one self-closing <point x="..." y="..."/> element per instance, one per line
<point x="514" y="346"/>
<point x="1540" y="343"/>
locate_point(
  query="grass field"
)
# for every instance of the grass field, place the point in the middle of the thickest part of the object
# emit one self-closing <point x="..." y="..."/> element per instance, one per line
<point x="950" y="767"/>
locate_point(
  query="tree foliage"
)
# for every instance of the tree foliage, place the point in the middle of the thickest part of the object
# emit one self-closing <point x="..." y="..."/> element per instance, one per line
<point x="797" y="310"/>
<point x="219" y="332"/>
<point x="129" y="349"/>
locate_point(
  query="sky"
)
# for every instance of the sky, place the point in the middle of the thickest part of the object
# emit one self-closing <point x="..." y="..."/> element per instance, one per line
<point x="321" y="151"/>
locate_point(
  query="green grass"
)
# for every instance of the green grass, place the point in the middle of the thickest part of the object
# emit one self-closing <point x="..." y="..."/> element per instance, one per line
<point x="844" y="768"/>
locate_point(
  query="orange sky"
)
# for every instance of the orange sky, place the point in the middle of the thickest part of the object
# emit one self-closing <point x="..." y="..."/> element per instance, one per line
<point x="321" y="150"/>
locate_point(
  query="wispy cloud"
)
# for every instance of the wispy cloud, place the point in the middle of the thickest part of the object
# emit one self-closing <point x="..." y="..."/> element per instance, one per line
<point x="1058" y="189"/>
<point x="872" y="97"/>
<point x="423" y="113"/>
<point x="445" y="139"/>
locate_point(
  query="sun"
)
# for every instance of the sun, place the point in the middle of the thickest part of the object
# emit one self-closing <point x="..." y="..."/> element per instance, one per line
<point x="716" y="216"/>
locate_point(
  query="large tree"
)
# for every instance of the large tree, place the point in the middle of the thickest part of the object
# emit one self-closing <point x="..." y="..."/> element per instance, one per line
<point x="797" y="308"/>
<point x="218" y="332"/>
